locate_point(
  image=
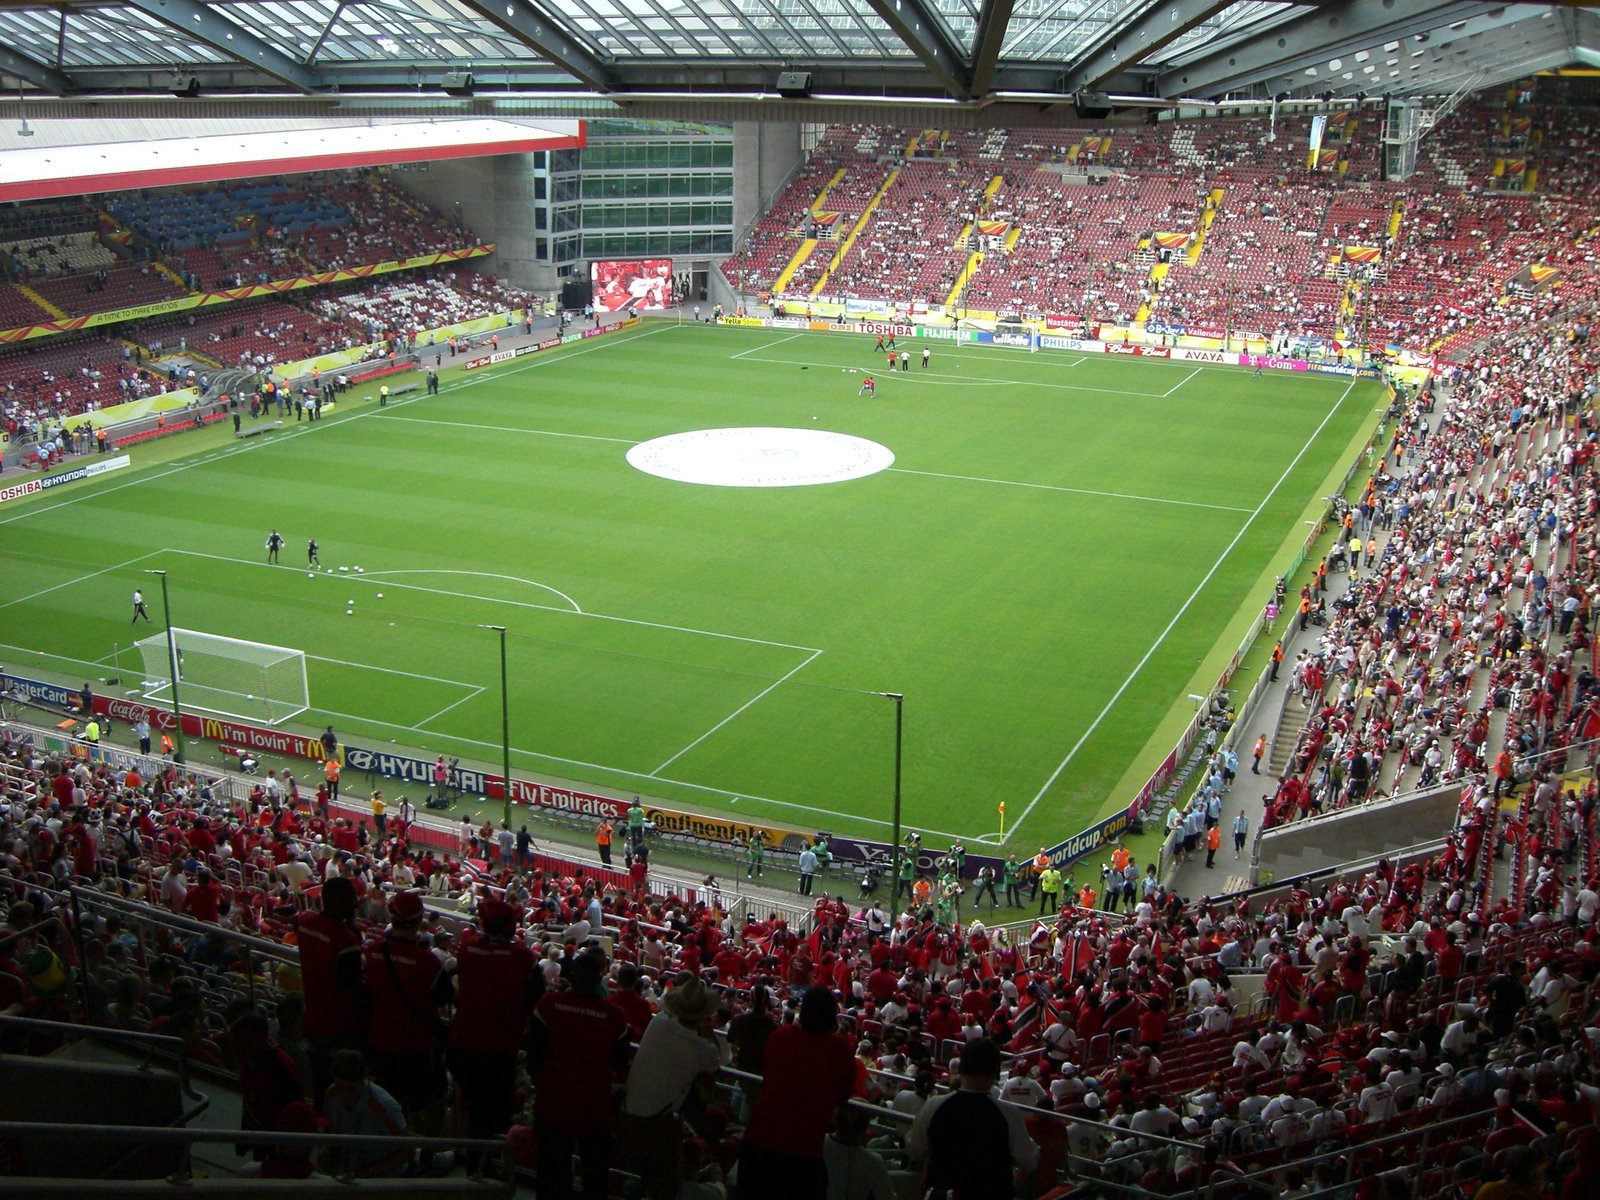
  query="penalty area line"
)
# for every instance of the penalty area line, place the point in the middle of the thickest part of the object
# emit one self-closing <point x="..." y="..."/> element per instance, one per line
<point x="771" y="687"/>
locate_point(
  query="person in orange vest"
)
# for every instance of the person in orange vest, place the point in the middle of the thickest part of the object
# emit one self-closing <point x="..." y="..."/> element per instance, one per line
<point x="1505" y="775"/>
<point x="1322" y="576"/>
<point x="331" y="770"/>
<point x="1087" y="896"/>
<point x="1041" y="864"/>
<point x="1213" y="840"/>
<point x="602" y="840"/>
<point x="1257" y="754"/>
<point x="1305" y="611"/>
<point x="1277" y="660"/>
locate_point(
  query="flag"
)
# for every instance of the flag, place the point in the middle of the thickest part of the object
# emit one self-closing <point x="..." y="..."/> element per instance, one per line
<point x="1002" y="808"/>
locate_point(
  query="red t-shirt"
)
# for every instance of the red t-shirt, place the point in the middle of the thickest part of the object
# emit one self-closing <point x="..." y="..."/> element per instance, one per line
<point x="404" y="1014"/>
<point x="635" y="1009"/>
<point x="203" y="902"/>
<point x="573" y="1083"/>
<point x="494" y="989"/>
<point x="330" y="1008"/>
<point x="808" y="1075"/>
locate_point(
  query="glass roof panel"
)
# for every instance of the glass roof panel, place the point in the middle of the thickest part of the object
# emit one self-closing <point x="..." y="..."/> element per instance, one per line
<point x="102" y="38"/>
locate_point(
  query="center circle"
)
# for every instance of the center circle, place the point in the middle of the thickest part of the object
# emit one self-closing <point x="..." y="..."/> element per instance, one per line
<point x="760" y="457"/>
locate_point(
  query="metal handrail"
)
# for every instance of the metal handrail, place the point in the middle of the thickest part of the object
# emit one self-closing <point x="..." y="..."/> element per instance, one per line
<point x="158" y="1042"/>
<point x="162" y="1135"/>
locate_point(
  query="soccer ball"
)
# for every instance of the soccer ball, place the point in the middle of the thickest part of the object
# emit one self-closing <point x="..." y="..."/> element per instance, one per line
<point x="380" y="595"/>
<point x="311" y="574"/>
<point x="344" y="568"/>
<point x="359" y="571"/>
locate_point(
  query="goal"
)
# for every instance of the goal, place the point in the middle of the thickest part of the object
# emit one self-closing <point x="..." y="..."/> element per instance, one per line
<point x="227" y="676"/>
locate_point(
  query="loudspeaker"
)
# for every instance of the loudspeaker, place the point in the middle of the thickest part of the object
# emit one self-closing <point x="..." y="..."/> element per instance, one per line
<point x="187" y="88"/>
<point x="796" y="85"/>
<point x="575" y="293"/>
<point x="458" y="83"/>
<point x="1092" y="105"/>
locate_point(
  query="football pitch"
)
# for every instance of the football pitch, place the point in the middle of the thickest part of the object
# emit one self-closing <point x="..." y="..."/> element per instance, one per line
<point x="1063" y="548"/>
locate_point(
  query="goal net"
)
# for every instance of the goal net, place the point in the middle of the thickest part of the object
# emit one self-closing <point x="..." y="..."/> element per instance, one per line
<point x="226" y="676"/>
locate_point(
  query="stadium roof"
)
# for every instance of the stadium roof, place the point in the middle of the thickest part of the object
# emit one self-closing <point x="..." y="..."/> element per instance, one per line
<point x="997" y="60"/>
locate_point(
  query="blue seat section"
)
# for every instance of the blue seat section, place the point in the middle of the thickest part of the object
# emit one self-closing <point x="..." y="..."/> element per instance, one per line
<point x="224" y="216"/>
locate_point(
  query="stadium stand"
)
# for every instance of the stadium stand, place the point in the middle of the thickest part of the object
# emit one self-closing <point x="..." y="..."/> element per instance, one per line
<point x="1410" y="1029"/>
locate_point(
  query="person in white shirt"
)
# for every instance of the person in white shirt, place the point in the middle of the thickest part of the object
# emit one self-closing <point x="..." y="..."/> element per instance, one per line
<point x="1216" y="1018"/>
<point x="173" y="886"/>
<point x="1252" y="1104"/>
<point x="854" y="1172"/>
<point x="1155" y="1117"/>
<point x="1086" y="1134"/>
<point x="1377" y="1101"/>
<point x="1022" y="1088"/>
<point x="1445" y="1092"/>
<point x="910" y="1100"/>
<point x="1247" y="1055"/>
<point x="1201" y="991"/>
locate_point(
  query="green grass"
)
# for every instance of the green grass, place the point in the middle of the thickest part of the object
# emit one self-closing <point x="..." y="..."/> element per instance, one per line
<point x="1043" y="571"/>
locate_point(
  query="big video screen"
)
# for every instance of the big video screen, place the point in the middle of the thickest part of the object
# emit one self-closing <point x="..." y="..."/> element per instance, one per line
<point x="639" y="283"/>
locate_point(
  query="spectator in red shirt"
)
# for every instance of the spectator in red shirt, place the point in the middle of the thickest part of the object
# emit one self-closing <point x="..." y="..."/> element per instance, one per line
<point x="497" y="986"/>
<point x="809" y="1073"/>
<point x="577" y="1043"/>
<point x="330" y="974"/>
<point x="268" y="1079"/>
<point x="627" y="1000"/>
<point x="405" y="1038"/>
<point x="203" y="901"/>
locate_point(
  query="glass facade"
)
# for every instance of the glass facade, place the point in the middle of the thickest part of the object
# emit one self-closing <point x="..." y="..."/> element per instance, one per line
<point x="638" y="188"/>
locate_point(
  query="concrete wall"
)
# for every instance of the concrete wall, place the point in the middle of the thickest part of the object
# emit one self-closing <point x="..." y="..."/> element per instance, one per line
<point x="1355" y="834"/>
<point x="495" y="199"/>
<point x="764" y="154"/>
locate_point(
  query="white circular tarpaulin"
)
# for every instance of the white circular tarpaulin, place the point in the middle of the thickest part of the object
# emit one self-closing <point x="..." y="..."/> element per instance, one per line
<point x="760" y="457"/>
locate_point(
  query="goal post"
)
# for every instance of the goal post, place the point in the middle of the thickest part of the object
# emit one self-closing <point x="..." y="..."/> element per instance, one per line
<point x="226" y="676"/>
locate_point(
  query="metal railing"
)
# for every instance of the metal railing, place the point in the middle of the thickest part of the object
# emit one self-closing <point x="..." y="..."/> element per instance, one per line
<point x="479" y="1151"/>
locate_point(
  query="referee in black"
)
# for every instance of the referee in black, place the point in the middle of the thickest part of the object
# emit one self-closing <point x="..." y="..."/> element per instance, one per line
<point x="311" y="554"/>
<point x="274" y="544"/>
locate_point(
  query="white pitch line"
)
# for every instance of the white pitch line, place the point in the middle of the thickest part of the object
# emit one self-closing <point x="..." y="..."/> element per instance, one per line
<point x="482" y="574"/>
<point x="392" y="671"/>
<point x="765" y="346"/>
<point x="1031" y="383"/>
<point x="769" y="688"/>
<point x="1051" y="487"/>
<point x="586" y="437"/>
<point x="683" y="783"/>
<point x="80" y="579"/>
<point x="1182" y="381"/>
<point x="1177" y="616"/>
<point x="337" y="419"/>
<point x="473" y="695"/>
<point x="571" y="612"/>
